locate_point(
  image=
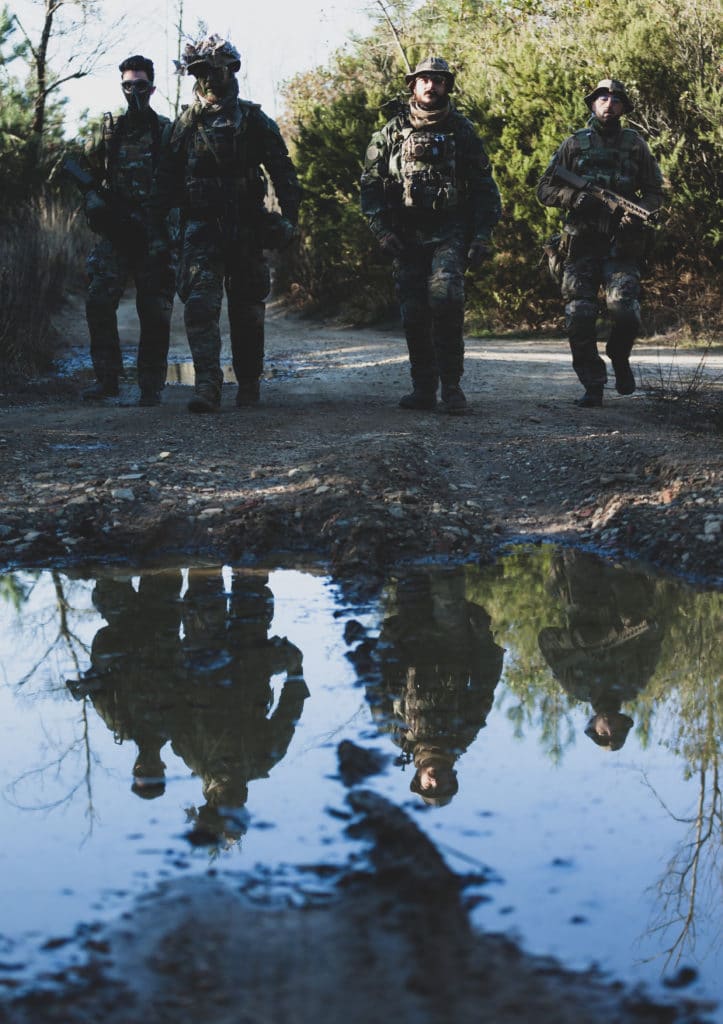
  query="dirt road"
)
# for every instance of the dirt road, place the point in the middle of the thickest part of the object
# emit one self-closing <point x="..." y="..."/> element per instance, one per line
<point x="328" y="465"/>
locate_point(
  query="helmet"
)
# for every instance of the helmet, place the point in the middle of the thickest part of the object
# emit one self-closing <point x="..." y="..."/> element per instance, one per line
<point x="431" y="66"/>
<point x="611" y="85"/>
<point x="212" y="50"/>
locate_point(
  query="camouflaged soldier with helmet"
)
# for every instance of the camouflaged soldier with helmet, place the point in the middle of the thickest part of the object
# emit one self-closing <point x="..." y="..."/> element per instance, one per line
<point x="124" y="160"/>
<point x="221" y="150"/>
<point x="428" y="193"/>
<point x="603" y="249"/>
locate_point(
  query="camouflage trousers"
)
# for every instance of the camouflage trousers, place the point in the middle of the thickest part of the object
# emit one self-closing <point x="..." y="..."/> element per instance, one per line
<point x="206" y="269"/>
<point x="429" y="281"/>
<point x="109" y="272"/>
<point x="583" y="277"/>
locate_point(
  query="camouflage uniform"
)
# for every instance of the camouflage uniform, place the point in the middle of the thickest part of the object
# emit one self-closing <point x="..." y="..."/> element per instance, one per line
<point x="601" y="253"/>
<point x="433" y="189"/>
<point x="608" y="650"/>
<point x="214" y="172"/>
<point x="437" y="667"/>
<point x="125" y="159"/>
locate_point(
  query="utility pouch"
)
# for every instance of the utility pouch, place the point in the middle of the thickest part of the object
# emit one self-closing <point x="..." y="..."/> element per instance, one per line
<point x="428" y="171"/>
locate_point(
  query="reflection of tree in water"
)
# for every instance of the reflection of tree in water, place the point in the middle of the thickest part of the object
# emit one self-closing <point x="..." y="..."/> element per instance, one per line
<point x="437" y="668"/>
<point x="195" y="671"/>
<point x="52" y="636"/>
<point x="691" y="889"/>
<point x="515" y="591"/>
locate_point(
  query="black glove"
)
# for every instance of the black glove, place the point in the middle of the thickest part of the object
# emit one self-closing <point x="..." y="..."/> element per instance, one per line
<point x="585" y="203"/>
<point x="479" y="251"/>
<point x="391" y="244"/>
<point x="631" y="222"/>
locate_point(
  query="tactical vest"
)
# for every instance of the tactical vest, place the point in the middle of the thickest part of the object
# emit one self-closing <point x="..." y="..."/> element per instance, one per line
<point x="222" y="172"/>
<point x="131" y="155"/>
<point x="424" y="163"/>
<point x="613" y="167"/>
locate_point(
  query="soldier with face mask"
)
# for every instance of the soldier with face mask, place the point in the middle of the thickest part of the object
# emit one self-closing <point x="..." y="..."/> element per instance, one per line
<point x="430" y="199"/>
<point x="124" y="161"/>
<point x="602" y="249"/>
<point x="222" y="150"/>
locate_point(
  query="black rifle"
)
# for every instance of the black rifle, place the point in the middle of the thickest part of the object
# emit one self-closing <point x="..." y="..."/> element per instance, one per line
<point x="108" y="214"/>
<point x="617" y="204"/>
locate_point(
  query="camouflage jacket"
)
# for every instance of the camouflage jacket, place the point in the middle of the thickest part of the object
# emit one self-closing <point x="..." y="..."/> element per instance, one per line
<point x="471" y="200"/>
<point x="125" y="155"/>
<point x="620" y="161"/>
<point x="217" y="164"/>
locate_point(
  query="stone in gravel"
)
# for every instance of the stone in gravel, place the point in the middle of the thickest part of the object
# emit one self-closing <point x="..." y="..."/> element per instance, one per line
<point x="122" y="494"/>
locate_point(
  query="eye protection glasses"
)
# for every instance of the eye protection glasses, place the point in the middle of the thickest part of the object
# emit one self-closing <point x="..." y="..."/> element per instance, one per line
<point x="138" y="87"/>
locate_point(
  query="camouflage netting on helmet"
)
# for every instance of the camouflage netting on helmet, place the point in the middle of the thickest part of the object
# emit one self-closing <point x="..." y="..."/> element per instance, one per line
<point x="212" y="50"/>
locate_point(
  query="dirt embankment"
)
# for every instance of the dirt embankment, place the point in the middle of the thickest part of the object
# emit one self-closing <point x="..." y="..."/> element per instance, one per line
<point x="328" y="466"/>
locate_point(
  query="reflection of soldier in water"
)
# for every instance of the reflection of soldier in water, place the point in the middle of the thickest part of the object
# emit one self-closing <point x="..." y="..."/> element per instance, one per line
<point x="136" y="662"/>
<point x="438" y="670"/>
<point x="195" y="671"/>
<point x="608" y="650"/>
<point x="226" y="734"/>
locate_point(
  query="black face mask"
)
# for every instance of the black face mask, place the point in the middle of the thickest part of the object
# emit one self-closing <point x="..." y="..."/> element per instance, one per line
<point x="138" y="95"/>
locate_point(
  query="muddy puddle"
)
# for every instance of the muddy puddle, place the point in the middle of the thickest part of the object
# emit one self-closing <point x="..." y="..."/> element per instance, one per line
<point x="553" y="720"/>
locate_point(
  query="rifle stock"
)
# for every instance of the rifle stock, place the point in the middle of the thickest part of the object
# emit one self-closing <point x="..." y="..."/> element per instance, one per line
<point x="110" y="215"/>
<point x="614" y="202"/>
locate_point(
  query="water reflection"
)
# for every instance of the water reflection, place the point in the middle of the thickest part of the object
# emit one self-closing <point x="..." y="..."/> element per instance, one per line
<point x="194" y="670"/>
<point x="435" y="669"/>
<point x="479" y="681"/>
<point x="608" y="648"/>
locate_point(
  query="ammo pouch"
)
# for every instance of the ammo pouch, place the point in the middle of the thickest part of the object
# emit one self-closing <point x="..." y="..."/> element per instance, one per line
<point x="428" y="171"/>
<point x="206" y="198"/>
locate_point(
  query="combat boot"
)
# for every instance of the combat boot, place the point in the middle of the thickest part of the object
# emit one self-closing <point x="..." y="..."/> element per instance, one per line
<point x="206" y="399"/>
<point x="151" y="385"/>
<point x="149" y="397"/>
<point x="104" y="387"/>
<point x="418" y="399"/>
<point x="593" y="397"/>
<point x="453" y="400"/>
<point x="624" y="378"/>
<point x="249" y="392"/>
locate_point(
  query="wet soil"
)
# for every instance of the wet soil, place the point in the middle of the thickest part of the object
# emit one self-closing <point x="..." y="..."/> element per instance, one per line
<point x="328" y="468"/>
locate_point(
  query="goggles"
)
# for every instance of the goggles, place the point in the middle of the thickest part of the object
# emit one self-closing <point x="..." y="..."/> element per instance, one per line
<point x="141" y="88"/>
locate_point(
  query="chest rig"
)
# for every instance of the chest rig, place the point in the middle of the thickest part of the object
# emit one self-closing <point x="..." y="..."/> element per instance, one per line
<point x="425" y="169"/>
<point x="222" y="168"/>
<point x="131" y="155"/>
<point x="609" y="166"/>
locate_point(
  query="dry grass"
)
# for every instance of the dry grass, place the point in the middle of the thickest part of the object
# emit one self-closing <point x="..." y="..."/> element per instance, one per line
<point x="42" y="252"/>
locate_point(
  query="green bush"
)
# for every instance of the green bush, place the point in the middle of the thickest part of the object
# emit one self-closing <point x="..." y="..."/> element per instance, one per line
<point x="522" y="71"/>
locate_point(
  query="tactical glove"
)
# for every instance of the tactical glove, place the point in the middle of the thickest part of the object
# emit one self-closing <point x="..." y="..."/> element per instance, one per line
<point x="391" y="244"/>
<point x="631" y="222"/>
<point x="585" y="203"/>
<point x="479" y="251"/>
